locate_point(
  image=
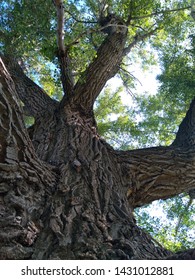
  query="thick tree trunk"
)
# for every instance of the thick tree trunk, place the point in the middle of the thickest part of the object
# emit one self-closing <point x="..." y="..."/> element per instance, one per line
<point x="66" y="194"/>
<point x="89" y="215"/>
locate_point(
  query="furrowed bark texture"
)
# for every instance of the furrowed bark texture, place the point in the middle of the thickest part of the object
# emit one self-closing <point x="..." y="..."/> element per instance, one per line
<point x="66" y="194"/>
<point x="89" y="215"/>
<point x="24" y="179"/>
<point x="157" y="173"/>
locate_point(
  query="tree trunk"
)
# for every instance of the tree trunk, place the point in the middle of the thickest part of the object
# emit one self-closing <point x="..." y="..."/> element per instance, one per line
<point x="66" y="194"/>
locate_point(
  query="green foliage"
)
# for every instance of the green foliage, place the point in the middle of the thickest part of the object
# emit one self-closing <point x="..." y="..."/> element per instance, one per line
<point x="26" y="25"/>
<point x="28" y="121"/>
<point x="111" y="116"/>
<point x="28" y="28"/>
<point x="161" y="218"/>
<point x="116" y="122"/>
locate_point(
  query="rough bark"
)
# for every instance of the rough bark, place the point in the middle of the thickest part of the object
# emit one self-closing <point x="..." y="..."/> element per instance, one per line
<point x="66" y="194"/>
<point x="35" y="99"/>
<point x="157" y="173"/>
<point x="24" y="179"/>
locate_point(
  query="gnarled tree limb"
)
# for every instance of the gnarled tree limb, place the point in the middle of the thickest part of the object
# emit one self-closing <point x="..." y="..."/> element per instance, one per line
<point x="16" y="149"/>
<point x="161" y="172"/>
<point x="156" y="173"/>
<point x="35" y="99"/>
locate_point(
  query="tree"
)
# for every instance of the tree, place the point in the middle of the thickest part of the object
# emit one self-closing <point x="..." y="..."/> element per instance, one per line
<point x="65" y="192"/>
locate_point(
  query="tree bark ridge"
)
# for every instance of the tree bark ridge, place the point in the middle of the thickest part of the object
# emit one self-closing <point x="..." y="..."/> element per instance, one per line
<point x="24" y="179"/>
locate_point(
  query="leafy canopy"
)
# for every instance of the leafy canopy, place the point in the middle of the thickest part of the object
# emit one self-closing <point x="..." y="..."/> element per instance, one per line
<point x="28" y="28"/>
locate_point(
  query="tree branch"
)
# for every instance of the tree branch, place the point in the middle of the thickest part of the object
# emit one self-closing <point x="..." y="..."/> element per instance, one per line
<point x="11" y="123"/>
<point x="138" y="38"/>
<point x="35" y="99"/>
<point x="16" y="149"/>
<point x="105" y="65"/>
<point x="102" y="68"/>
<point x="156" y="173"/>
<point x="130" y="12"/>
<point x="63" y="56"/>
<point x="188" y="254"/>
<point x="161" y="12"/>
<point x="185" y="137"/>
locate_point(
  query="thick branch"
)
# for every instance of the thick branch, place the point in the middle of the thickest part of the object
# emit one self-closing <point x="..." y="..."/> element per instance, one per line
<point x="64" y="60"/>
<point x="24" y="179"/>
<point x="185" y="138"/>
<point x="60" y="24"/>
<point x="102" y="68"/>
<point x="16" y="149"/>
<point x="157" y="173"/>
<point x="186" y="134"/>
<point x="35" y="99"/>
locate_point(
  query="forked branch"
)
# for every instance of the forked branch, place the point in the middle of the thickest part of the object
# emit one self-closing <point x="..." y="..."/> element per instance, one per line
<point x="102" y="68"/>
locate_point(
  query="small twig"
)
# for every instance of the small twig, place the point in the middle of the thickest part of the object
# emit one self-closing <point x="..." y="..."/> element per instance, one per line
<point x="137" y="26"/>
<point x="78" y="20"/>
<point x="131" y="75"/>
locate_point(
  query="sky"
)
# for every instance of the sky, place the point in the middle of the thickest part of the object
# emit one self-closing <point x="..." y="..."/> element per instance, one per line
<point x="148" y="83"/>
